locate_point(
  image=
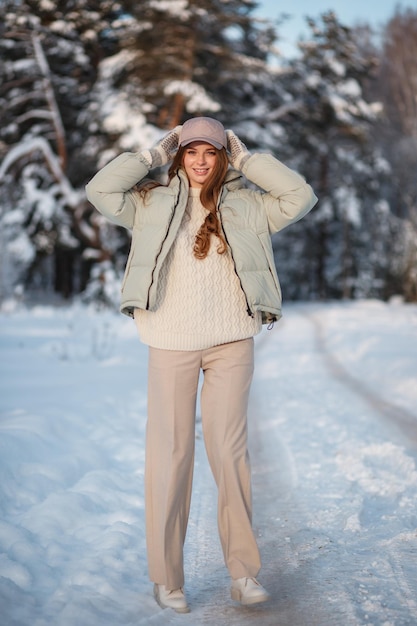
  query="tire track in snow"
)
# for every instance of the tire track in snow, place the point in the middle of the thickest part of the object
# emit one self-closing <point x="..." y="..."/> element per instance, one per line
<point x="404" y="420"/>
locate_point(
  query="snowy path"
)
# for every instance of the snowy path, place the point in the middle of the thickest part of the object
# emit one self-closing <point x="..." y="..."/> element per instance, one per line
<point x="333" y="422"/>
<point x="347" y="502"/>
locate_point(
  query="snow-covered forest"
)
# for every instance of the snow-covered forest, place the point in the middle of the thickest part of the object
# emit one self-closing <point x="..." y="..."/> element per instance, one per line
<point x="82" y="81"/>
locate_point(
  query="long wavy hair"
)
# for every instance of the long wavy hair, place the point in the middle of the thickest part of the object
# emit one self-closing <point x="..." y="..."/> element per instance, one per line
<point x="209" y="195"/>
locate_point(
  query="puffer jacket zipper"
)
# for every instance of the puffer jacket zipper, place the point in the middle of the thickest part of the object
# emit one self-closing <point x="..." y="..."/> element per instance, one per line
<point x="248" y="309"/>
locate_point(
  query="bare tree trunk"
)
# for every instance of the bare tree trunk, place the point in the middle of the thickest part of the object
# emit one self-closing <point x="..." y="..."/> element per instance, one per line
<point x="346" y="261"/>
<point x="51" y="101"/>
<point x="399" y="70"/>
<point x="322" y="234"/>
<point x="172" y="114"/>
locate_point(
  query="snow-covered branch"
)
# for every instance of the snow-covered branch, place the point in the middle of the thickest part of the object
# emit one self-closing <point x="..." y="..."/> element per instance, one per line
<point x="36" y="114"/>
<point x="295" y="105"/>
<point x="39" y="144"/>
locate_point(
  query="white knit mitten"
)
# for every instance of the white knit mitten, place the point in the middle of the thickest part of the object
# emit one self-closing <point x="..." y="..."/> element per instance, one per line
<point x="238" y="152"/>
<point x="164" y="150"/>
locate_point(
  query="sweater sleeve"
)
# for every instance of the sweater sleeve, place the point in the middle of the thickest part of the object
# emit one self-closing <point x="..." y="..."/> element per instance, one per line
<point x="288" y="196"/>
<point x="110" y="190"/>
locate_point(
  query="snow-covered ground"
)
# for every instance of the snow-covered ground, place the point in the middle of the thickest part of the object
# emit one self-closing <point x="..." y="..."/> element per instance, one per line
<point x="333" y="426"/>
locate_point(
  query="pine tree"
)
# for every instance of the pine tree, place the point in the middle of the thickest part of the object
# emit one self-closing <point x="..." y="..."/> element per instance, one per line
<point x="198" y="58"/>
<point x="396" y="134"/>
<point x="50" y="56"/>
<point x="330" y="132"/>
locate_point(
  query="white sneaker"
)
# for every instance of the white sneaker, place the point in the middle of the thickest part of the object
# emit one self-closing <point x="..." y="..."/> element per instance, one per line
<point x="170" y="599"/>
<point x="248" y="591"/>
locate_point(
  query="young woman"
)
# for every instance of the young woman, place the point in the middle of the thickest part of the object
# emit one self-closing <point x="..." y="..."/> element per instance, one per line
<point x="200" y="281"/>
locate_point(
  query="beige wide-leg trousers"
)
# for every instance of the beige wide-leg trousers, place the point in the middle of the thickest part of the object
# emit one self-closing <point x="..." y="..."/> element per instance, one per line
<point x="170" y="437"/>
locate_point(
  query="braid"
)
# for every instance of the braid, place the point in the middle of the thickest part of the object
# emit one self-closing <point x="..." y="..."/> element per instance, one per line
<point x="211" y="225"/>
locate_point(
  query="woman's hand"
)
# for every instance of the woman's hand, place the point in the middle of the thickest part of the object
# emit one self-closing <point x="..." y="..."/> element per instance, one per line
<point x="164" y="150"/>
<point x="238" y="152"/>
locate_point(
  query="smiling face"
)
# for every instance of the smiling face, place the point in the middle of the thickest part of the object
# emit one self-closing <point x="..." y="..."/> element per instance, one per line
<point x="199" y="161"/>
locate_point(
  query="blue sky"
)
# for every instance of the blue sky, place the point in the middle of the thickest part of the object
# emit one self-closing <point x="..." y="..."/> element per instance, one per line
<point x="374" y="12"/>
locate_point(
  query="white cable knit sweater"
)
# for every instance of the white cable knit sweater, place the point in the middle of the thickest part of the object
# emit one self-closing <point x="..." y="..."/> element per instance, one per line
<point x="200" y="303"/>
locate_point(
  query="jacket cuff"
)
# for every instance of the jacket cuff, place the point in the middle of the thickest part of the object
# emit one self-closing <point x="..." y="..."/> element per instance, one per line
<point x="145" y="157"/>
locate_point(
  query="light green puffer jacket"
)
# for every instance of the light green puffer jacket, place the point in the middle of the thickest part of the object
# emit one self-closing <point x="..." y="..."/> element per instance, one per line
<point x="248" y="218"/>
